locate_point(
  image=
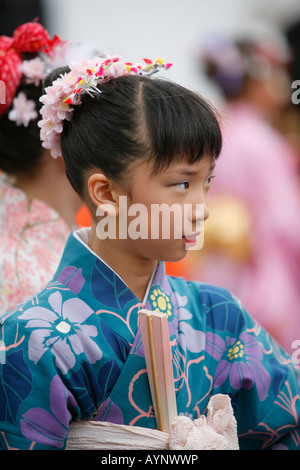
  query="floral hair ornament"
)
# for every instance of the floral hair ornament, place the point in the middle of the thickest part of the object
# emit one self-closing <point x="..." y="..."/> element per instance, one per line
<point x="23" y="110"/>
<point x="32" y="38"/>
<point x="67" y="91"/>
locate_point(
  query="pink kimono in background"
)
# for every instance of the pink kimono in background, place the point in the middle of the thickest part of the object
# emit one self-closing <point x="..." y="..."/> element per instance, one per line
<point x="32" y="239"/>
<point x="257" y="169"/>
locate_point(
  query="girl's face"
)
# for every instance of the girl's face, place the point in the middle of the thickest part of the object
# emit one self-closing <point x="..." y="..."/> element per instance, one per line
<point x="167" y="209"/>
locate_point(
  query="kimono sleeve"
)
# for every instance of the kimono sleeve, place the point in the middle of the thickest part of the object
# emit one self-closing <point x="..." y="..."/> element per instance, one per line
<point x="35" y="405"/>
<point x="265" y="389"/>
<point x="276" y="423"/>
<point x="246" y="363"/>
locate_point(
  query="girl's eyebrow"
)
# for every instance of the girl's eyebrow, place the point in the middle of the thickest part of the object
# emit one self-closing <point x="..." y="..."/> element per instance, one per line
<point x="186" y="172"/>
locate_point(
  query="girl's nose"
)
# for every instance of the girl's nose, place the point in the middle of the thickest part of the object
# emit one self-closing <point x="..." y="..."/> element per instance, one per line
<point x="206" y="211"/>
<point x="195" y="217"/>
<point x="200" y="211"/>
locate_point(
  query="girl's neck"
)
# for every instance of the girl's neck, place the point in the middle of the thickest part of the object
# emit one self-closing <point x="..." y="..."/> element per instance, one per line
<point x="134" y="271"/>
<point x="49" y="184"/>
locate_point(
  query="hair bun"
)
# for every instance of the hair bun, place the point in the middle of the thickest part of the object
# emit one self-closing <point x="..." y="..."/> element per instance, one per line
<point x="30" y="37"/>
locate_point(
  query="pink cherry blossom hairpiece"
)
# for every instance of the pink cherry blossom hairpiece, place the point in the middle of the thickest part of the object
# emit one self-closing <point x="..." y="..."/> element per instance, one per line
<point x="23" y="110"/>
<point x="34" y="70"/>
<point x="84" y="77"/>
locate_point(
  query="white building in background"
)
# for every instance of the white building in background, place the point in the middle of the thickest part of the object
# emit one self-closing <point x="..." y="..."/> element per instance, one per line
<point x="172" y="29"/>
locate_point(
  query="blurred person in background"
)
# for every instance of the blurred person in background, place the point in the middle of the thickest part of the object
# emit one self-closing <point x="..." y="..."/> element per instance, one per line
<point x="252" y="238"/>
<point x="35" y="219"/>
<point x="288" y="123"/>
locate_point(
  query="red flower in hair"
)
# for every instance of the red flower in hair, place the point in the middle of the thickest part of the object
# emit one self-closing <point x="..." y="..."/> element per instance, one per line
<point x="5" y="44"/>
<point x="10" y="72"/>
<point x="53" y="44"/>
<point x="30" y="37"/>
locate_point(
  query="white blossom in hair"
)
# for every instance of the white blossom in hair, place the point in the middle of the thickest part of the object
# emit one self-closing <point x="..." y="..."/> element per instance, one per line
<point x="23" y="110"/>
<point x="34" y="70"/>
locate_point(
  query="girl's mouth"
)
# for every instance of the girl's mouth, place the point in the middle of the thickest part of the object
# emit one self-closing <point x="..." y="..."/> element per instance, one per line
<point x="191" y="239"/>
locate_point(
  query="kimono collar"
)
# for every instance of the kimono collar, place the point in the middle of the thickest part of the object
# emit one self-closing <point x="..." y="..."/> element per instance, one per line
<point x="91" y="279"/>
<point x="84" y="251"/>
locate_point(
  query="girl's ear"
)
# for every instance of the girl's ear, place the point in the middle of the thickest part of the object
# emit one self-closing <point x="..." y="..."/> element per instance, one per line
<point x="102" y="193"/>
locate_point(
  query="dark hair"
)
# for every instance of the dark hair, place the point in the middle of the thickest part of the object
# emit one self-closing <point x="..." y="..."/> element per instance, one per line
<point x="20" y="147"/>
<point x="137" y="117"/>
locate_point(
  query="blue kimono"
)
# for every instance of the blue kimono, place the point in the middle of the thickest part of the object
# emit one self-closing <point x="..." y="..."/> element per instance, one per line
<point x="74" y="352"/>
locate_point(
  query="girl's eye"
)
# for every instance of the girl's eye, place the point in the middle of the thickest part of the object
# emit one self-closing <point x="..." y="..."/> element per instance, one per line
<point x="184" y="185"/>
<point x="209" y="180"/>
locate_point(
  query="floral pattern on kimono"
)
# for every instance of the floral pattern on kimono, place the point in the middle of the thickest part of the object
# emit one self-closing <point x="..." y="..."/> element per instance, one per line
<point x="32" y="239"/>
<point x="74" y="352"/>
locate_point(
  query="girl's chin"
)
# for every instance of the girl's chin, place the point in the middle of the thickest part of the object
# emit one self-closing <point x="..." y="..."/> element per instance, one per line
<point x="160" y="250"/>
<point x="173" y="256"/>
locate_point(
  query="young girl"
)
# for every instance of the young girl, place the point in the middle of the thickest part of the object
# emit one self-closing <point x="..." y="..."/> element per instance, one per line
<point x="37" y="203"/>
<point x="74" y="352"/>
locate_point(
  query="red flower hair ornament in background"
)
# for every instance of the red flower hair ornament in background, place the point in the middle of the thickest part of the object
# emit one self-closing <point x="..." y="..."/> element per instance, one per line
<point x="32" y="38"/>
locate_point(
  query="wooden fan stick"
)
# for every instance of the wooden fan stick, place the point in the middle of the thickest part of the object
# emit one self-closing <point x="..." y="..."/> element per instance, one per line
<point x="161" y="424"/>
<point x="157" y="348"/>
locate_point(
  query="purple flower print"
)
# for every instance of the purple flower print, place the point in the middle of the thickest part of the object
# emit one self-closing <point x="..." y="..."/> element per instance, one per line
<point x="241" y="360"/>
<point x="72" y="277"/>
<point x="188" y="337"/>
<point x="62" y="330"/>
<point x="50" y="428"/>
<point x="109" y="411"/>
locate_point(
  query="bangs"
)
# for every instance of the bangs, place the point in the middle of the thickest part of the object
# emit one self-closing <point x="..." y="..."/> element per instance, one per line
<point x="182" y="126"/>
